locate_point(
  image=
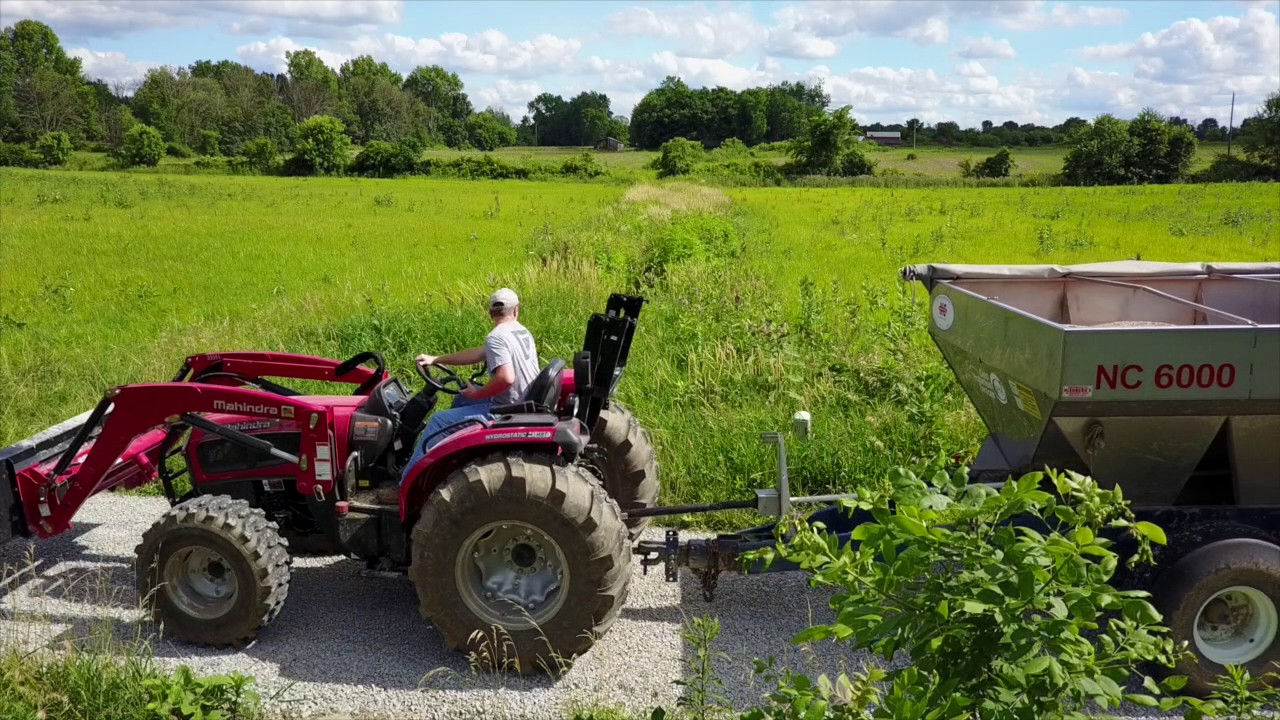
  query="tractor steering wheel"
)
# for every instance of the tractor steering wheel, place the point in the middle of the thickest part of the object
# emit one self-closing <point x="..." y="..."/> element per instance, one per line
<point x="448" y="383"/>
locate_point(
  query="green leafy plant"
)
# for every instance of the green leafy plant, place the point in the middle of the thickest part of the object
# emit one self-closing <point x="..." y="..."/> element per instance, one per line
<point x="322" y="146"/>
<point x="260" y="153"/>
<point x="54" y="147"/>
<point x="1235" y="696"/>
<point x="210" y="143"/>
<point x="992" y="594"/>
<point x="796" y="697"/>
<point x="143" y="145"/>
<point x="185" y="696"/>
<point x="584" y="165"/>
<point x="678" y="157"/>
<point x="704" y="691"/>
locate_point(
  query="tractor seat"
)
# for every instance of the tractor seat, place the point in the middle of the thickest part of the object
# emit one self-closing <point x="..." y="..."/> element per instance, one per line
<point x="542" y="395"/>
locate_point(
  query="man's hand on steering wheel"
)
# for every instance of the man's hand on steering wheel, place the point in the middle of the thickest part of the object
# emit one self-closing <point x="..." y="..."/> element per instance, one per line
<point x="448" y="381"/>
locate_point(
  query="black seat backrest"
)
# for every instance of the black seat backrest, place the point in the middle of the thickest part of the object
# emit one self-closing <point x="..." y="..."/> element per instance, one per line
<point x="544" y="391"/>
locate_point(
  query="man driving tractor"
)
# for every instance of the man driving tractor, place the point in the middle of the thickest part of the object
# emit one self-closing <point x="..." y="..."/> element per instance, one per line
<point x="510" y="356"/>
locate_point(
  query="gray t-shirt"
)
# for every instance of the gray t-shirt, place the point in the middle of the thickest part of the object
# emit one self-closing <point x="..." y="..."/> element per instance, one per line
<point x="509" y="343"/>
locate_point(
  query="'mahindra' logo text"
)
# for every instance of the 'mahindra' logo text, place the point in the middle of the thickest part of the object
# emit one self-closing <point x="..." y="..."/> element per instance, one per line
<point x="245" y="407"/>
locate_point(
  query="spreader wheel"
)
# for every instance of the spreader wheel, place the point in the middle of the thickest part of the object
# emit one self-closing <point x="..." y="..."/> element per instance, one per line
<point x="1223" y="600"/>
<point x="521" y="561"/>
<point x="621" y="451"/>
<point x="213" y="571"/>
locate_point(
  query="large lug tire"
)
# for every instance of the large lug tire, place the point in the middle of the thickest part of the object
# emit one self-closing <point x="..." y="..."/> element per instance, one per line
<point x="1223" y="600"/>
<point x="213" y="571"/>
<point x="512" y="530"/>
<point x="621" y="451"/>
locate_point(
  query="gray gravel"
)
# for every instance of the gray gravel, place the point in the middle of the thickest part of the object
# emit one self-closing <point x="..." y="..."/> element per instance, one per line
<point x="349" y="642"/>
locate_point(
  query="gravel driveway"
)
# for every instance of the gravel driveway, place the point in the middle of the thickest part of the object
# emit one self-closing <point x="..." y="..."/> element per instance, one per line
<point x="348" y="642"/>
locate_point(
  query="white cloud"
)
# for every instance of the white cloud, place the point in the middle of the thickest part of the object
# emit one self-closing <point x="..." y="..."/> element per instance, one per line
<point x="490" y="52"/>
<point x="270" y="55"/>
<point x="116" y="18"/>
<point x="1226" y="49"/>
<point x="692" y="30"/>
<point x="986" y="47"/>
<point x="1032" y="15"/>
<point x="513" y="97"/>
<point x="788" y="43"/>
<point x="111" y="67"/>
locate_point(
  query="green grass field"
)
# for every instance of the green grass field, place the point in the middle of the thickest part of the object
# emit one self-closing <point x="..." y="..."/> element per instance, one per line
<point x="763" y="300"/>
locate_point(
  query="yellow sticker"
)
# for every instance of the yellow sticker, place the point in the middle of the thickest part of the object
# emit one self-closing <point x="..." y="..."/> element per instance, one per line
<point x="1025" y="399"/>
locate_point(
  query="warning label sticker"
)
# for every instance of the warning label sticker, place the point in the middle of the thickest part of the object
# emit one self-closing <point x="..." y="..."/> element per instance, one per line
<point x="1077" y="391"/>
<point x="1025" y="399"/>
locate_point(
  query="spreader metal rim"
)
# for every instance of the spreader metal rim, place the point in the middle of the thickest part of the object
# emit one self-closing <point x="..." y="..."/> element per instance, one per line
<point x="1248" y="637"/>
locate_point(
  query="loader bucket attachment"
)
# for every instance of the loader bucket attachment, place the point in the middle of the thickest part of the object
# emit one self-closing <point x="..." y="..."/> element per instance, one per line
<point x="35" y="450"/>
<point x="1163" y="378"/>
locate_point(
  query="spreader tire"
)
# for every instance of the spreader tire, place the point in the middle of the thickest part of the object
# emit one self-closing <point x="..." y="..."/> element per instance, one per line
<point x="512" y="528"/>
<point x="213" y="571"/>
<point x="627" y="461"/>
<point x="1222" y="600"/>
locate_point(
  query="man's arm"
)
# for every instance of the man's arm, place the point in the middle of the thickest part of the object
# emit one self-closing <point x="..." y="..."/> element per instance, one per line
<point x="470" y="356"/>
<point x="503" y="378"/>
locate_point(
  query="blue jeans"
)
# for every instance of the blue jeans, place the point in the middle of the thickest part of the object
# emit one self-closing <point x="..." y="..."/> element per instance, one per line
<point x="463" y="409"/>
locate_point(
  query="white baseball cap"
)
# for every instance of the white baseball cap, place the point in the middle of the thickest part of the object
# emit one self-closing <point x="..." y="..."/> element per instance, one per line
<point x="503" y="298"/>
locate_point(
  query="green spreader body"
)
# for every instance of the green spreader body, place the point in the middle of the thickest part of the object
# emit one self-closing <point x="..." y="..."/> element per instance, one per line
<point x="1163" y="378"/>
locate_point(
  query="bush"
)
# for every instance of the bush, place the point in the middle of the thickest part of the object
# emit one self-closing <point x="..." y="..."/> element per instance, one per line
<point x="210" y="142"/>
<point x="143" y="145"/>
<point x="1002" y="639"/>
<point x="55" y="148"/>
<point x="584" y="165"/>
<point x="1233" y="169"/>
<point x="260" y="153"/>
<point x="470" y="167"/>
<point x="383" y="160"/>
<point x="1111" y="151"/>
<point x="996" y="166"/>
<point x="826" y="141"/>
<point x="748" y="172"/>
<point x="854" y="162"/>
<point x="733" y="148"/>
<point x="912" y="156"/>
<point x="12" y="155"/>
<point x="321" y="148"/>
<point x="678" y="157"/>
<point x="211" y="162"/>
<point x="179" y="150"/>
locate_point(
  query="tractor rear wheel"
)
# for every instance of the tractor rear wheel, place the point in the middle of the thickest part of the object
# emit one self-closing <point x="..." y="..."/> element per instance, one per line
<point x="213" y="571"/>
<point x="621" y="451"/>
<point x="521" y="562"/>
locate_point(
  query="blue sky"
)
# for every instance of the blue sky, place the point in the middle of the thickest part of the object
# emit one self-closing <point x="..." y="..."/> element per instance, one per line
<point x="967" y="60"/>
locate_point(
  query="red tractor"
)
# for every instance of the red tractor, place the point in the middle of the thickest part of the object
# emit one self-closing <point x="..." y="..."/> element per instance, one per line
<point x="515" y="522"/>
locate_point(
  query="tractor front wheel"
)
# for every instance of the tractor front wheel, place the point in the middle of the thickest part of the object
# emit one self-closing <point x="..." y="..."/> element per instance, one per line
<point x="521" y="562"/>
<point x="213" y="571"/>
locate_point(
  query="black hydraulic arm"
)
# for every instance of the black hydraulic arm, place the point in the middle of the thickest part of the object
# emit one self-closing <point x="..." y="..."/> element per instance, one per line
<point x="237" y="437"/>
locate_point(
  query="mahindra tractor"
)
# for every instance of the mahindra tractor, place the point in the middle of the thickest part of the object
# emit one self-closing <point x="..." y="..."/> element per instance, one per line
<point x="514" y="522"/>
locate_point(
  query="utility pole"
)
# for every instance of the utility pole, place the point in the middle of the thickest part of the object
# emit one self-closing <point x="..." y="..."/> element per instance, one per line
<point x="913" y="135"/>
<point x="1231" y="122"/>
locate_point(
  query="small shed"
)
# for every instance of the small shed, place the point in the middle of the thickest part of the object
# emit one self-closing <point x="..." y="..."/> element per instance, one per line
<point x="885" y="138"/>
<point x="611" y="144"/>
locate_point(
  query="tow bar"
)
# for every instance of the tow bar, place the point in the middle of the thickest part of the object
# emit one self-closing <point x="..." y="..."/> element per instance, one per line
<point x="709" y="557"/>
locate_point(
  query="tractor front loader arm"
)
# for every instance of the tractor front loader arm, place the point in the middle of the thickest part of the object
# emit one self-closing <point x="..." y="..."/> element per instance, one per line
<point x="129" y="423"/>
<point x="236" y="368"/>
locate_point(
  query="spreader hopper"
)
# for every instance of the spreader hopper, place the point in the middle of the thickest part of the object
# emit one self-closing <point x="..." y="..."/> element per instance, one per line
<point x="1163" y="378"/>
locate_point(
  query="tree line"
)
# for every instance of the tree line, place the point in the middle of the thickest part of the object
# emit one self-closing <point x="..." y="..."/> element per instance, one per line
<point x="213" y="108"/>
